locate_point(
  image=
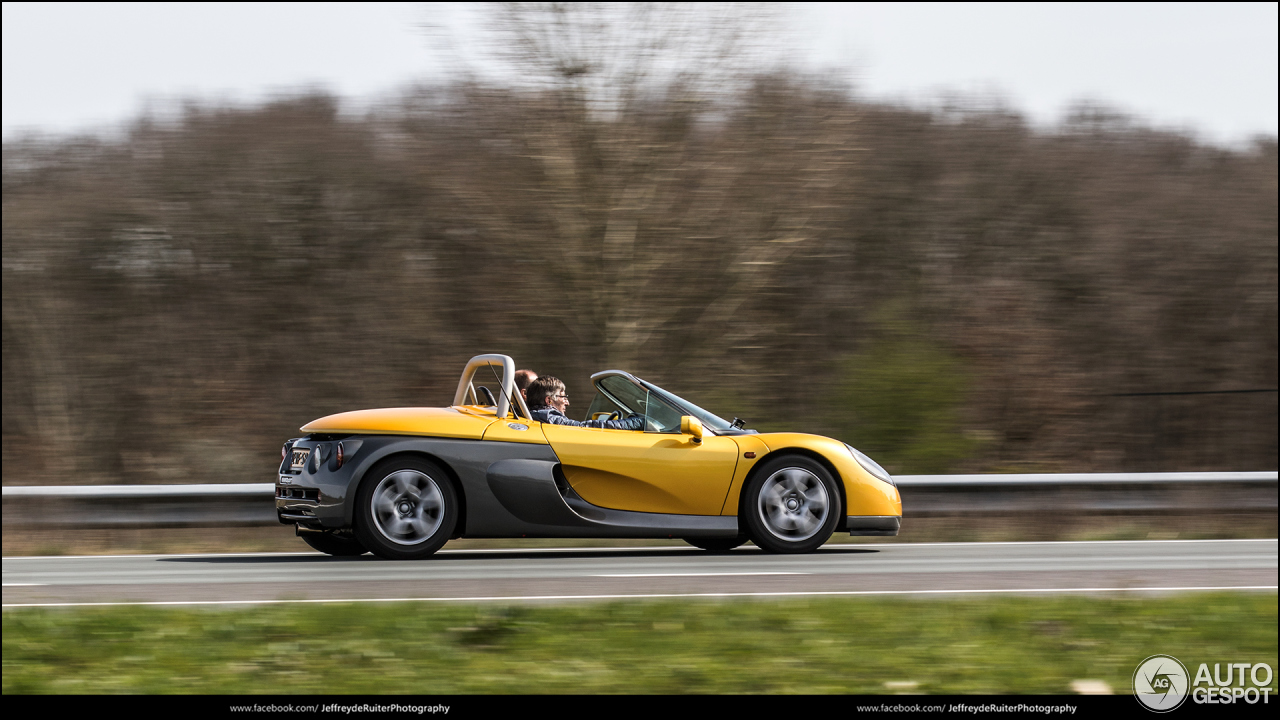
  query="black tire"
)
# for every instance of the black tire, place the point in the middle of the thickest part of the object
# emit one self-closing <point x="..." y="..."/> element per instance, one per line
<point x="717" y="544"/>
<point x="791" y="505"/>
<point x="334" y="545"/>
<point x="406" y="509"/>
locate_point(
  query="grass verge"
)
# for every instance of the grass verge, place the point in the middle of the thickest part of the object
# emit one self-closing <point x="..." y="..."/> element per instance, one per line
<point x="991" y="645"/>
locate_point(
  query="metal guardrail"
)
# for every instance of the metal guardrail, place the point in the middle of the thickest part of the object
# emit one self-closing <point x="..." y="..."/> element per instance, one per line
<point x="1086" y="479"/>
<point x="140" y="506"/>
<point x="1088" y="493"/>
<point x="150" y="492"/>
<point x="221" y="505"/>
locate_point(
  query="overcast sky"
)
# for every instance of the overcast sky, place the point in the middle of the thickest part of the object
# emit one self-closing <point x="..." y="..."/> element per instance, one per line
<point x="1207" y="68"/>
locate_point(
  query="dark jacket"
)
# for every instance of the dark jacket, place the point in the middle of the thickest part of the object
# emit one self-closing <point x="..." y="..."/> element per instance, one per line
<point x="548" y="414"/>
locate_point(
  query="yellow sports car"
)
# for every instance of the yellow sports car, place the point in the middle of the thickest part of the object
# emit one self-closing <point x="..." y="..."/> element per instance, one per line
<point x="400" y="482"/>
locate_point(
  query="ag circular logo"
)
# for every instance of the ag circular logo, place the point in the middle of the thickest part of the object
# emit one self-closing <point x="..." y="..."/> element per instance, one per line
<point x="1160" y="683"/>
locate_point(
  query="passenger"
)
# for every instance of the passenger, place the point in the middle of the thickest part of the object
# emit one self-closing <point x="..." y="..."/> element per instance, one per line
<point x="548" y="400"/>
<point x="523" y="378"/>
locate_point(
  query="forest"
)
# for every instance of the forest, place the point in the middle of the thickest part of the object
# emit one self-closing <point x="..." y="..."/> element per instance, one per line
<point x="948" y="288"/>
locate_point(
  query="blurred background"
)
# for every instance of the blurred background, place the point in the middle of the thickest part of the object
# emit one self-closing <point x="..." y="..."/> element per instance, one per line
<point x="743" y="204"/>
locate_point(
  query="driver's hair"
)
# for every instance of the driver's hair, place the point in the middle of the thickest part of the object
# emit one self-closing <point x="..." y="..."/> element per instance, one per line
<point x="542" y="388"/>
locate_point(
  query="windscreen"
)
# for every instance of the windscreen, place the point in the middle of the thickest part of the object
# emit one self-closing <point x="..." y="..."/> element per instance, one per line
<point x="709" y="420"/>
<point x="659" y="416"/>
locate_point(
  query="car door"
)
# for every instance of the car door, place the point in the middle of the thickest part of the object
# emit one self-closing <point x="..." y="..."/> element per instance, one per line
<point x="657" y="470"/>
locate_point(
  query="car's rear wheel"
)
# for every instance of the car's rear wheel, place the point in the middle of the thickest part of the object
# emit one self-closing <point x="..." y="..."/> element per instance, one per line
<point x="717" y="544"/>
<point x="335" y="545"/>
<point x="791" y="505"/>
<point x="406" y="509"/>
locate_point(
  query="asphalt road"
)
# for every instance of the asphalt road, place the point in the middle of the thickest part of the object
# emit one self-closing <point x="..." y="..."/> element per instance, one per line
<point x="606" y="573"/>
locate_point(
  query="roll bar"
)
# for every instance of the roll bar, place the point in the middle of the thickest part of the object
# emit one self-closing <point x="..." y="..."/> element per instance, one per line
<point x="508" y="383"/>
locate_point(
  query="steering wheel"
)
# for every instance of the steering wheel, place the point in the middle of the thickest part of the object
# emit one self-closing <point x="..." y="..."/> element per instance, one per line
<point x="615" y="415"/>
<point x="487" y="396"/>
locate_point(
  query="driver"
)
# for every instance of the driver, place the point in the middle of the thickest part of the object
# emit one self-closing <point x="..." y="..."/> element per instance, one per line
<point x="548" y="400"/>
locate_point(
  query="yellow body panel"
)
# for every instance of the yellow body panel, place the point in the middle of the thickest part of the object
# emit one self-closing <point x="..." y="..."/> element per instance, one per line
<point x="645" y="472"/>
<point x="746" y="444"/>
<point x="509" y="430"/>
<point x="436" y="422"/>
<point x="480" y="411"/>
<point x="865" y="494"/>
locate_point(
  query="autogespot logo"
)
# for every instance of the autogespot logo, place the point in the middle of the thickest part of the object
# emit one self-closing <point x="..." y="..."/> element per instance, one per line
<point x="1160" y="683"/>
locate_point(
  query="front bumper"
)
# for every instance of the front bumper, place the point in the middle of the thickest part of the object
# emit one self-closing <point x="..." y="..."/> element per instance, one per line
<point x="873" y="525"/>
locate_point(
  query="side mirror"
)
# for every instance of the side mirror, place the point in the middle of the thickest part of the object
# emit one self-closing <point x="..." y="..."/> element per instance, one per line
<point x="690" y="425"/>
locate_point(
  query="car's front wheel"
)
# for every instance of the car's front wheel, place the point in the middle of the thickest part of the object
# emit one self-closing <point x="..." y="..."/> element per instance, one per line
<point x="335" y="545"/>
<point x="791" y="505"/>
<point x="406" y="509"/>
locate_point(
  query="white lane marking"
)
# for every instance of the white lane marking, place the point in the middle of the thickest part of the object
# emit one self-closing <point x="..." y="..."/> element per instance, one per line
<point x="632" y="548"/>
<point x="24" y="584"/>
<point x="657" y="548"/>
<point x="144" y="556"/>
<point x="650" y="596"/>
<point x="638" y="548"/>
<point x="1046" y="542"/>
<point x="694" y="574"/>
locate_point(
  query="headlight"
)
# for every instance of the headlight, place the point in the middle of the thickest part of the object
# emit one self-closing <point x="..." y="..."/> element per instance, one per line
<point x="871" y="466"/>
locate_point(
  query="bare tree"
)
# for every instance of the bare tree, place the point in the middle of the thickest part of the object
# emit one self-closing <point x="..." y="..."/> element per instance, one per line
<point x="612" y="58"/>
<point x="620" y="162"/>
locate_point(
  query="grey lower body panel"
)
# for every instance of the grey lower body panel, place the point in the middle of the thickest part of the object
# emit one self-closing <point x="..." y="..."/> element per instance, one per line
<point x="508" y="489"/>
<point x="537" y="493"/>
<point x="873" y="525"/>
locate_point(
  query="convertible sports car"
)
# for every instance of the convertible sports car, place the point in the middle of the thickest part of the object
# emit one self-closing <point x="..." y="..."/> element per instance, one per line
<point x="401" y="482"/>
